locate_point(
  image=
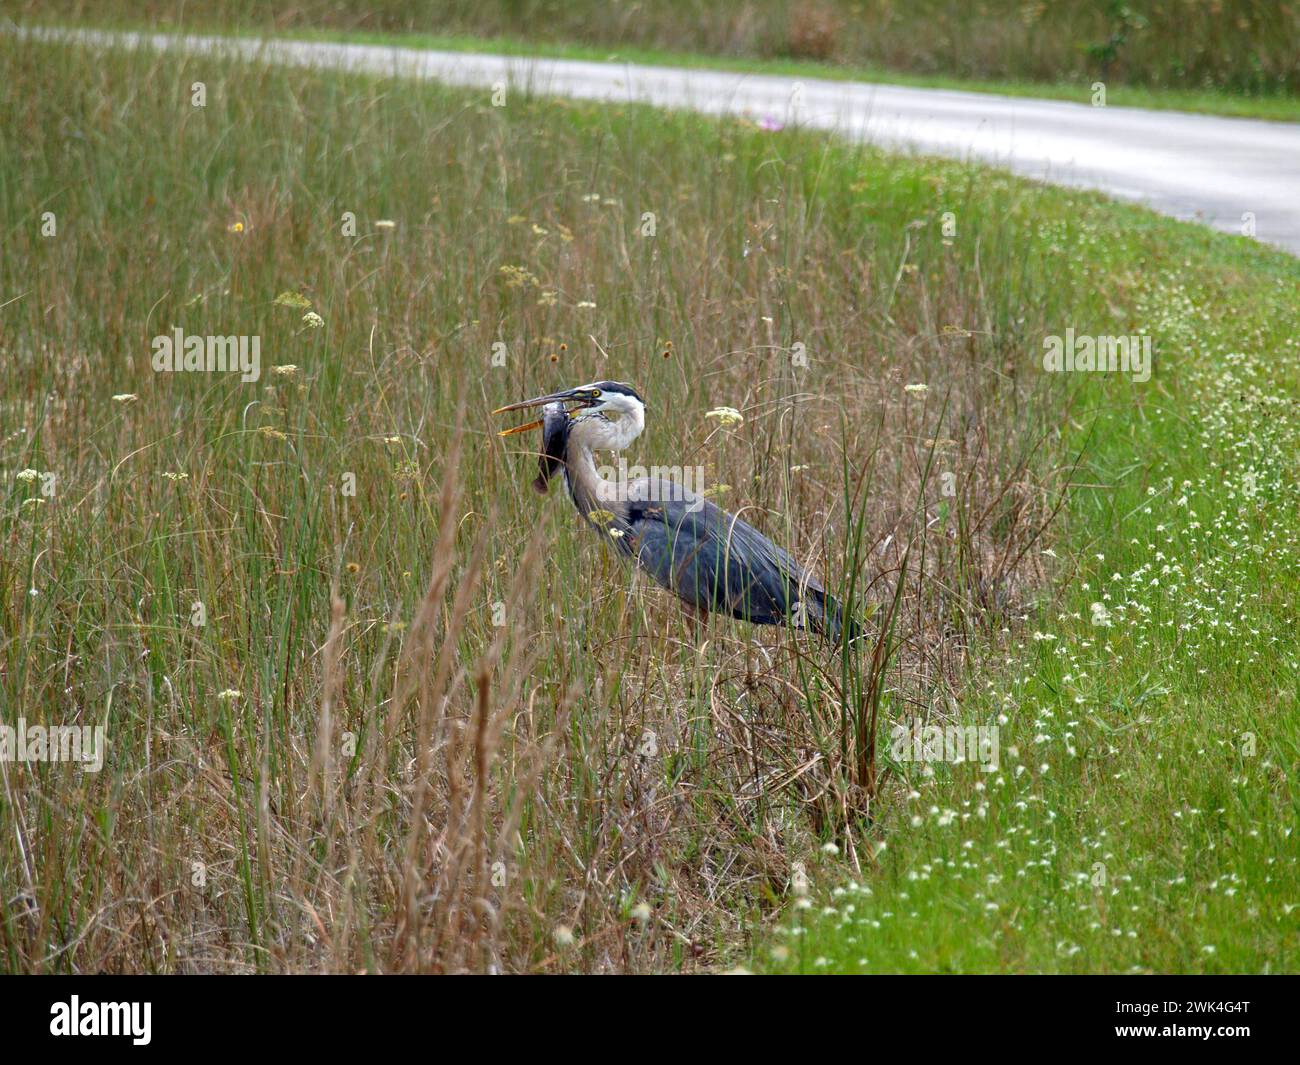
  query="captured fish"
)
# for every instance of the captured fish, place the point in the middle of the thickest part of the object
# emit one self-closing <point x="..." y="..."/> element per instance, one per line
<point x="555" y="437"/>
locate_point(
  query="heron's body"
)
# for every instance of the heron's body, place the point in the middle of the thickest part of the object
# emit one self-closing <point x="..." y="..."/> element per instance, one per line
<point x="714" y="561"/>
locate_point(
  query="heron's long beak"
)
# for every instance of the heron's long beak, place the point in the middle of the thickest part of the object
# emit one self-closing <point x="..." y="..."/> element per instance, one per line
<point x="568" y="395"/>
<point x="521" y="428"/>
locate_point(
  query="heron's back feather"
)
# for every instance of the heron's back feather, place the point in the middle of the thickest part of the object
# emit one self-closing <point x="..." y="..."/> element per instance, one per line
<point x="717" y="561"/>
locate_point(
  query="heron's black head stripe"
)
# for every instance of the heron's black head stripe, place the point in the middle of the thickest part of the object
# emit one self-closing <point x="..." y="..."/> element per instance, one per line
<point x="620" y="387"/>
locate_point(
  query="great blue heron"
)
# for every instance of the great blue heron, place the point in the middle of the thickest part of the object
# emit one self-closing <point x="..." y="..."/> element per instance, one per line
<point x="709" y="558"/>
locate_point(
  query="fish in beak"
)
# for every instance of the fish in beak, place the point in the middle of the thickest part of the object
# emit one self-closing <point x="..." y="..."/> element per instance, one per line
<point x="554" y="424"/>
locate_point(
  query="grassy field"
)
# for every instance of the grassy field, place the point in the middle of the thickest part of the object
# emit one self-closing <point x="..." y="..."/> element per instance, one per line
<point x="1142" y="816"/>
<point x="373" y="705"/>
<point x="1239" y="60"/>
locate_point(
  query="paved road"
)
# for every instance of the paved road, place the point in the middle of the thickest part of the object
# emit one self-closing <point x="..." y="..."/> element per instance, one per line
<point x="1189" y="166"/>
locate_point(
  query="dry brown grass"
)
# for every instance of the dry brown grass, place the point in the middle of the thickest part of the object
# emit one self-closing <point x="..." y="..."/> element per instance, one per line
<point x="400" y="784"/>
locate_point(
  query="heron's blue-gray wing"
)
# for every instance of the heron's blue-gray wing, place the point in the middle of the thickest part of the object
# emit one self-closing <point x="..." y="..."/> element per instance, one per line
<point x="715" y="560"/>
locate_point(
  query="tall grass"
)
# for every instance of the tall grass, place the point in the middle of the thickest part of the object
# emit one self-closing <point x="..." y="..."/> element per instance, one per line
<point x="371" y="704"/>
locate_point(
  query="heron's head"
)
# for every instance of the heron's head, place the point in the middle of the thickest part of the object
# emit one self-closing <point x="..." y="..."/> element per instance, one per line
<point x="603" y="414"/>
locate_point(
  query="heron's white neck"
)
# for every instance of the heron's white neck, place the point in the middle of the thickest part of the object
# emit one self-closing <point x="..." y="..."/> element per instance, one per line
<point x="586" y="486"/>
<point x="589" y="490"/>
<point x="610" y="429"/>
<point x="607" y="430"/>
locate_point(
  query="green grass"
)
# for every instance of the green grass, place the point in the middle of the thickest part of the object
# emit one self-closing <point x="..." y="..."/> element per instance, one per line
<point x="1143" y="815"/>
<point x="350" y="766"/>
